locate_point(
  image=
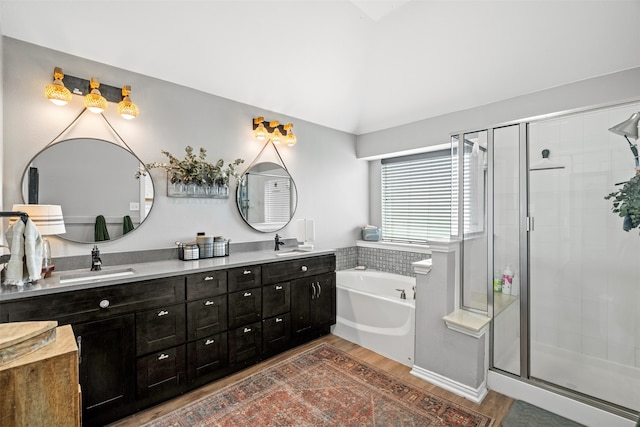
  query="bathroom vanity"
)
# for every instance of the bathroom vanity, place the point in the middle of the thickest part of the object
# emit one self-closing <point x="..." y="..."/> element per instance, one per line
<point x="172" y="326"/>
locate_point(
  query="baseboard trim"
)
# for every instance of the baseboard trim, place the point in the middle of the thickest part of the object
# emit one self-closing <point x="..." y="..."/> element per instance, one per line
<point x="469" y="393"/>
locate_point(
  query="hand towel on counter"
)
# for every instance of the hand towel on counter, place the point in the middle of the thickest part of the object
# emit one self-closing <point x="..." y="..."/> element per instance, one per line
<point x="25" y="243"/>
<point x="101" y="232"/>
<point x="127" y="224"/>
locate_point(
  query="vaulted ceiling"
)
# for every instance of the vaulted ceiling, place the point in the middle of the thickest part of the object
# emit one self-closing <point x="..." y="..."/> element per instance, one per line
<point x="352" y="65"/>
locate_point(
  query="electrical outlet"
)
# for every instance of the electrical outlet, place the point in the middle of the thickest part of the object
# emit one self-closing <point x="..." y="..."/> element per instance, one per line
<point x="134" y="206"/>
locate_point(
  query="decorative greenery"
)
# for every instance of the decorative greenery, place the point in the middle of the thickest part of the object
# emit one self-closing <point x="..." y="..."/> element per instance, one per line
<point x="195" y="169"/>
<point x="626" y="203"/>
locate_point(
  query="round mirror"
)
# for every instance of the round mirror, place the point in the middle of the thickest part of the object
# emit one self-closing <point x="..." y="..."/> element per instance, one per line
<point x="267" y="197"/>
<point x="90" y="178"/>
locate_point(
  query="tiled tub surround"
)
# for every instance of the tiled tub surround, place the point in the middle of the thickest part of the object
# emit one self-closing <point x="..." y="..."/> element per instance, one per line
<point x="396" y="261"/>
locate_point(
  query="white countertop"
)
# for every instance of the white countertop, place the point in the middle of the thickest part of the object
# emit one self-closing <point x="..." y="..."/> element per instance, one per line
<point x="148" y="271"/>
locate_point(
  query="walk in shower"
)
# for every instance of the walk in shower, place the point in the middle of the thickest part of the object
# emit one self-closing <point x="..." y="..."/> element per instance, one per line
<point x="534" y="210"/>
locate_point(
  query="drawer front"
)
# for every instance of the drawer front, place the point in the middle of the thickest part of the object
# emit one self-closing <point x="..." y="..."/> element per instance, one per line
<point x="245" y="307"/>
<point x="297" y="268"/>
<point x="98" y="303"/>
<point x="276" y="334"/>
<point x="160" y="375"/>
<point x="207" y="358"/>
<point x="276" y="299"/>
<point x="244" y="278"/>
<point x="245" y="344"/>
<point x="160" y="328"/>
<point x="206" y="317"/>
<point x="206" y="284"/>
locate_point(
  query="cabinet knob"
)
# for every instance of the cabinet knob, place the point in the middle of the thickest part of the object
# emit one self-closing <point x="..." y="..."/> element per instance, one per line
<point x="278" y="288"/>
<point x="304" y="268"/>
<point x="247" y="294"/>
<point x="246" y="272"/>
<point x="209" y="278"/>
<point x="163" y="356"/>
<point x="209" y="342"/>
<point x="104" y="303"/>
<point x="162" y="313"/>
<point x="278" y="319"/>
<point x="208" y="303"/>
<point x="247" y="330"/>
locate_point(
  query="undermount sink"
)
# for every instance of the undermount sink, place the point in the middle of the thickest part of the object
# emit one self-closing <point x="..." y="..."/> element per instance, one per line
<point x="291" y="252"/>
<point x="93" y="276"/>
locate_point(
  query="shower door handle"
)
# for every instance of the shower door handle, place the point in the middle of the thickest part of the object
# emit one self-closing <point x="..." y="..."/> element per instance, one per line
<point x="529" y="223"/>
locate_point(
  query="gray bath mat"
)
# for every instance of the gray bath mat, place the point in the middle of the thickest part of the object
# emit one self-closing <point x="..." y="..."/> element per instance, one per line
<point x="523" y="414"/>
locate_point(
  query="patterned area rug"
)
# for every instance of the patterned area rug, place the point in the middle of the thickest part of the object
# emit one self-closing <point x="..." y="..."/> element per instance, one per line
<point x="321" y="387"/>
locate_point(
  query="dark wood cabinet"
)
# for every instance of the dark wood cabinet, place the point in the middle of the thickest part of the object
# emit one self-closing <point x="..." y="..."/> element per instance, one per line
<point x="141" y="343"/>
<point x="106" y="354"/>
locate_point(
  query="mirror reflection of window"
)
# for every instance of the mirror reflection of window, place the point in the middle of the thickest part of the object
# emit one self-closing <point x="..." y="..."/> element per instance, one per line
<point x="277" y="200"/>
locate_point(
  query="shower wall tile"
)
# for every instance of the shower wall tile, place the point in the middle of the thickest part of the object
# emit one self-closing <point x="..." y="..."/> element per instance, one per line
<point x="390" y="261"/>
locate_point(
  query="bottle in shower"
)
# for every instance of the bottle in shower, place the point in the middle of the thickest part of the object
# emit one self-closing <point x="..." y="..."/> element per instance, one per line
<point x="507" y="280"/>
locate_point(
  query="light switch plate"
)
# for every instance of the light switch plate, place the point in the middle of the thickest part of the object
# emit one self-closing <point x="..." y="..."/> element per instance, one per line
<point x="134" y="206"/>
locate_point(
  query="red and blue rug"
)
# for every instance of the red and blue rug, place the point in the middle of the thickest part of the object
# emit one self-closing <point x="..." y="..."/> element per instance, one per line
<point x="322" y="387"/>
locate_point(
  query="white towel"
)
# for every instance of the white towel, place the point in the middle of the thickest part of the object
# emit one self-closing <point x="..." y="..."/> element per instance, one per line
<point x="25" y="244"/>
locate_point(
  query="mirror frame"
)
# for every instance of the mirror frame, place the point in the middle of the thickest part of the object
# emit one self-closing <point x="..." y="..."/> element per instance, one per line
<point x="25" y="176"/>
<point x="294" y="192"/>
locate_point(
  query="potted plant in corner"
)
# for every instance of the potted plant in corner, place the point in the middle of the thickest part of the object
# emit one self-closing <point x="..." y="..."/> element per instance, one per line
<point x="626" y="203"/>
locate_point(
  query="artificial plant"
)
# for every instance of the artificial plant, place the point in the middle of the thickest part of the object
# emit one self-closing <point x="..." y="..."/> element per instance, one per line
<point x="626" y="203"/>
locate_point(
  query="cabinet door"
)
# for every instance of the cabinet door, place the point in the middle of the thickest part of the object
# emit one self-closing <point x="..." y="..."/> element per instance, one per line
<point x="300" y="306"/>
<point x="245" y="344"/>
<point x="245" y="307"/>
<point x="107" y="369"/>
<point x="276" y="299"/>
<point x="160" y="328"/>
<point x="323" y="312"/>
<point x="276" y="334"/>
<point x="160" y="376"/>
<point x="206" y="359"/>
<point x="206" y="317"/>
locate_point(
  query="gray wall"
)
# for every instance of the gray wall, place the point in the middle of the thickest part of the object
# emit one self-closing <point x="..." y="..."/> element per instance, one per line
<point x="332" y="183"/>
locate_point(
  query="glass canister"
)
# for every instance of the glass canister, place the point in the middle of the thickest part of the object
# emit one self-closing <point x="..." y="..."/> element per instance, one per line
<point x="191" y="251"/>
<point x="219" y="246"/>
<point x="205" y="244"/>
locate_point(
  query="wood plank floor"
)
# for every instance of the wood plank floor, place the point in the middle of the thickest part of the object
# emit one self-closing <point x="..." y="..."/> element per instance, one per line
<point x="494" y="405"/>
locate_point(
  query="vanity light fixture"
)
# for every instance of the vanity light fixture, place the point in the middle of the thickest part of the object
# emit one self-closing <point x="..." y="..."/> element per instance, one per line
<point x="126" y="108"/>
<point x="56" y="92"/>
<point x="629" y="128"/>
<point x="261" y="133"/>
<point x="274" y="131"/>
<point x="94" y="100"/>
<point x="276" y="135"/>
<point x="290" y="139"/>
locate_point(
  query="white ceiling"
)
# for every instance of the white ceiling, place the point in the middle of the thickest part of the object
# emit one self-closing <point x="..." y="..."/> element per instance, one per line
<point x="356" y="66"/>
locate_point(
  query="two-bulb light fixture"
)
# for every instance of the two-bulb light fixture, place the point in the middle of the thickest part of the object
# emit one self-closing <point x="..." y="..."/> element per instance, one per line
<point x="96" y="100"/>
<point x="274" y="131"/>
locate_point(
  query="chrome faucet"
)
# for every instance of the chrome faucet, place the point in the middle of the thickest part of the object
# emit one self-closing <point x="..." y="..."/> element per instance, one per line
<point x="96" y="262"/>
<point x="278" y="243"/>
<point x="403" y="293"/>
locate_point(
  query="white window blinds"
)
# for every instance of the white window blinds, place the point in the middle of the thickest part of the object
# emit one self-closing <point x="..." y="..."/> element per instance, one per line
<point x="416" y="197"/>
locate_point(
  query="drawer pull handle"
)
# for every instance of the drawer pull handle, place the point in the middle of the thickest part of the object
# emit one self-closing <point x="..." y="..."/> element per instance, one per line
<point x="304" y="268"/>
<point x="247" y="294"/>
<point x="208" y="303"/>
<point x="278" y="288"/>
<point x="246" y="272"/>
<point x="104" y="303"/>
<point x="162" y="313"/>
<point x="163" y="356"/>
<point x="247" y="330"/>
<point x="79" y="342"/>
<point x="209" y="278"/>
<point x="278" y="320"/>
<point x="209" y="342"/>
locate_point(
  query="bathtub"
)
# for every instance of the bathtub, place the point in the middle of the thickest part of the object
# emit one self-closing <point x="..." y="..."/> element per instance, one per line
<point x="371" y="313"/>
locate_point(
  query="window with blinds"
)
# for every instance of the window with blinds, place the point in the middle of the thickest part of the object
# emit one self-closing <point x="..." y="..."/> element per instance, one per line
<point x="416" y="197"/>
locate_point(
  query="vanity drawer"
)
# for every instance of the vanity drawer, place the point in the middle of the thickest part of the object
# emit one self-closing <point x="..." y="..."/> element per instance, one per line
<point x="208" y="284"/>
<point x="276" y="299"/>
<point x="160" y="375"/>
<point x="160" y="328"/>
<point x="245" y="307"/>
<point x="206" y="358"/>
<point x="244" y="278"/>
<point x="276" y="334"/>
<point x="97" y="303"/>
<point x="206" y="317"/>
<point x="297" y="268"/>
<point x="245" y="344"/>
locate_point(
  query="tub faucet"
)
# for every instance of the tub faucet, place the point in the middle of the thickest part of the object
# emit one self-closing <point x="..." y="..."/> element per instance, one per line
<point x="278" y="243"/>
<point x="403" y="294"/>
<point x="96" y="262"/>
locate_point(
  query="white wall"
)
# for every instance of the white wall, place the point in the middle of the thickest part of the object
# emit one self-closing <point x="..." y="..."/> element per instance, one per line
<point x="332" y="183"/>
